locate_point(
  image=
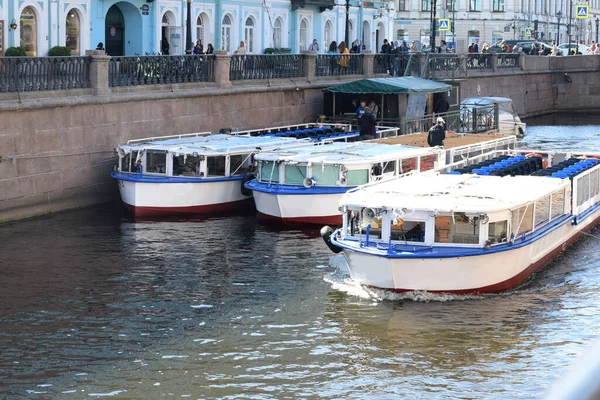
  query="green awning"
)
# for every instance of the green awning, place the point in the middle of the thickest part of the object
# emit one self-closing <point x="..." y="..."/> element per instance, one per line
<point x="407" y="84"/>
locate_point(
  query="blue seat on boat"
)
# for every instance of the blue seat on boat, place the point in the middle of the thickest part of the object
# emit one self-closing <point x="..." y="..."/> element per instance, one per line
<point x="560" y="175"/>
<point x="454" y="173"/>
<point x="481" y="171"/>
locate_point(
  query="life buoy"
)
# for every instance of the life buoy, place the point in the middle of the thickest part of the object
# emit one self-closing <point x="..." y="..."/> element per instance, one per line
<point x="376" y="170"/>
<point x="248" y="176"/>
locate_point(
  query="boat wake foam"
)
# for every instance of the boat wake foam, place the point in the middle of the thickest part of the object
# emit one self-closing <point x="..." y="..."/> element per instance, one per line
<point x="340" y="280"/>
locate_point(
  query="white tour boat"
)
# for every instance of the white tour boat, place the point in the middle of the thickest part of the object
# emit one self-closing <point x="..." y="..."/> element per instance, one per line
<point x="509" y="122"/>
<point x="190" y="174"/>
<point x="479" y="231"/>
<point x="304" y="185"/>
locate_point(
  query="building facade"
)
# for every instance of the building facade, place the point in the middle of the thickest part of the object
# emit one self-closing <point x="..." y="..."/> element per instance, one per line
<point x="138" y="27"/>
<point x="493" y="20"/>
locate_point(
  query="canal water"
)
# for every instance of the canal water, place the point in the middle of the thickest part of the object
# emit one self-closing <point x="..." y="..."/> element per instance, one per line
<point x="94" y="304"/>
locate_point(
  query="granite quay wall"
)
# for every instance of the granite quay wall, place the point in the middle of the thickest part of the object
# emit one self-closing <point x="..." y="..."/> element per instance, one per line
<point x="56" y="146"/>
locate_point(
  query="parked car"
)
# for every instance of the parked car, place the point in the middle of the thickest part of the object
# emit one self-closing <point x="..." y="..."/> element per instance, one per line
<point x="523" y="44"/>
<point x="581" y="48"/>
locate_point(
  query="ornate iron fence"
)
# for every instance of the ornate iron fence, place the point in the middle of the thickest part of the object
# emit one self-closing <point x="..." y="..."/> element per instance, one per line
<point x="510" y="60"/>
<point x="154" y="70"/>
<point x="393" y="64"/>
<point x="479" y="61"/>
<point x="31" y="74"/>
<point x="444" y="66"/>
<point x="338" y="64"/>
<point x="266" y="66"/>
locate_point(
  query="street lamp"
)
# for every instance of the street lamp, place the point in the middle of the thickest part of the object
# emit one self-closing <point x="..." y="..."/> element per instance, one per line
<point x="597" y="21"/>
<point x="347" y="36"/>
<point x="188" y="29"/>
<point x="433" y="26"/>
<point x="454" y="25"/>
<point x="558" y="16"/>
<point x="570" y="27"/>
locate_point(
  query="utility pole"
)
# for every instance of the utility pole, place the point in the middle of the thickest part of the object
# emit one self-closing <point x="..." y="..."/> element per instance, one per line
<point x="433" y="25"/>
<point x="454" y="24"/>
<point x="347" y="37"/>
<point x="570" y="27"/>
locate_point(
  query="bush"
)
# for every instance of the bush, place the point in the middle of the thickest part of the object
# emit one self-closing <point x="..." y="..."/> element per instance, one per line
<point x="59" y="51"/>
<point x="278" y="50"/>
<point x="15" y="52"/>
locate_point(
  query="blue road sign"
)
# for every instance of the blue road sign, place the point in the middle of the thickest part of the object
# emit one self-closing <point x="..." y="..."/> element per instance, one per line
<point x="582" y="11"/>
<point x="443" y="24"/>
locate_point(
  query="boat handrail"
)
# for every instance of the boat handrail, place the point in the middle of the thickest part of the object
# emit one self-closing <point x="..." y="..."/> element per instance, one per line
<point x="295" y="126"/>
<point x="185" y="135"/>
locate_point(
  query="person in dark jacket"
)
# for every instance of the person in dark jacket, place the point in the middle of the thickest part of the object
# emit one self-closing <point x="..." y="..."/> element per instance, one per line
<point x="437" y="133"/>
<point x="367" y="122"/>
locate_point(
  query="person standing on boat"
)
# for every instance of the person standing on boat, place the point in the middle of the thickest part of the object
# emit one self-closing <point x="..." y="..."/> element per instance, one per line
<point x="361" y="110"/>
<point x="139" y="168"/>
<point x="368" y="124"/>
<point x="436" y="134"/>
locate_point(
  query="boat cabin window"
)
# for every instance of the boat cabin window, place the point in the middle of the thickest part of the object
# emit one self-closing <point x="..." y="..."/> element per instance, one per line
<point x="186" y="165"/>
<point x="408" y="164"/>
<point x="239" y="163"/>
<point x="357" y="177"/>
<point x="126" y="162"/>
<point x="428" y="162"/>
<point x="595" y="184"/>
<point x="389" y="167"/>
<point x="295" y="174"/>
<point x="583" y="189"/>
<point x="374" y="230"/>
<point x="156" y="161"/>
<point x="215" y="166"/>
<point x="497" y="232"/>
<point x="558" y="204"/>
<point x="268" y="173"/>
<point x="460" y="229"/>
<point x="408" y="231"/>
<point x="134" y="156"/>
<point x="326" y="175"/>
<point x="542" y="211"/>
<point x="524" y="217"/>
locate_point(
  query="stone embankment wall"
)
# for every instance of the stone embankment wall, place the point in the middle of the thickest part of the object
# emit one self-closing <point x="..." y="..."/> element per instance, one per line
<point x="58" y="154"/>
<point x="544" y="85"/>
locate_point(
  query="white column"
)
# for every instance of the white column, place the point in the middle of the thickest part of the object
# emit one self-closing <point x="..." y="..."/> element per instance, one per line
<point x="56" y="27"/>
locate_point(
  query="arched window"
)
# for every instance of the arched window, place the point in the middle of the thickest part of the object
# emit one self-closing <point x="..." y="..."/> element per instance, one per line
<point x="366" y="35"/>
<point x="303" y="33"/>
<point x="277" y="33"/>
<point x="328" y="30"/>
<point x="73" y="32"/>
<point x="226" y="34"/>
<point x="200" y="29"/>
<point x="29" y="31"/>
<point x="249" y="35"/>
<point x="169" y="41"/>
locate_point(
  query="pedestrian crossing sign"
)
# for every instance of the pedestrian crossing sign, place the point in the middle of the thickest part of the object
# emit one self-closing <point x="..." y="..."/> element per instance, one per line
<point x="444" y="24"/>
<point x="582" y="11"/>
<point x="528" y="31"/>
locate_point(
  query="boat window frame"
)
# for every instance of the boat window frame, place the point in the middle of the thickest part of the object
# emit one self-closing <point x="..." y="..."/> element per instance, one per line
<point x="426" y="222"/>
<point x="145" y="162"/>
<point x="299" y="166"/>
<point x="311" y="167"/>
<point x="185" y="156"/>
<point x="480" y="233"/>
<point x="244" y="166"/>
<point x="506" y="231"/>
<point x="125" y="159"/>
<point x="207" y="166"/>
<point x="407" y="159"/>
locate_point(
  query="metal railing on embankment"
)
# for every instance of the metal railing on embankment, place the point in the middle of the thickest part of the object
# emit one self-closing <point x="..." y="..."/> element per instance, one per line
<point x="31" y="74"/>
<point x="266" y="66"/>
<point x="398" y="64"/>
<point x="339" y="64"/>
<point x="154" y="70"/>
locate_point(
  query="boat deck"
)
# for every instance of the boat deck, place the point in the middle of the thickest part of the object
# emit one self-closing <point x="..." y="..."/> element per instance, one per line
<point x="452" y="140"/>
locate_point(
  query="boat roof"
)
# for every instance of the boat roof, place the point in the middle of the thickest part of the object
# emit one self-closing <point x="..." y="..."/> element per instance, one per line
<point x="432" y="191"/>
<point x="346" y="153"/>
<point x="216" y="144"/>
<point x="476" y="101"/>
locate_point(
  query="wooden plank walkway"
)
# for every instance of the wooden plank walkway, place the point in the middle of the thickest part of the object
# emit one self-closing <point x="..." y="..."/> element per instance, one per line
<point x="452" y="139"/>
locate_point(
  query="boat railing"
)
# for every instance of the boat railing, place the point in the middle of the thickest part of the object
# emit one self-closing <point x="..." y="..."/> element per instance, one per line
<point x="472" y="150"/>
<point x="386" y="131"/>
<point x="185" y="135"/>
<point x="273" y="129"/>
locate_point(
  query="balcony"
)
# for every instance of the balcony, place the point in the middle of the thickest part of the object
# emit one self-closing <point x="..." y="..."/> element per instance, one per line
<point x="322" y="4"/>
